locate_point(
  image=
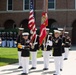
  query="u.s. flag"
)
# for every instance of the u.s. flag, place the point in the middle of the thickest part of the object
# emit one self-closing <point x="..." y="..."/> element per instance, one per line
<point x="31" y="23"/>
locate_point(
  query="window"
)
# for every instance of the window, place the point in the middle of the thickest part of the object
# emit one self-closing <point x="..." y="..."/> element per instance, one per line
<point x="26" y="4"/>
<point x="51" y="4"/>
<point x="9" y="4"/>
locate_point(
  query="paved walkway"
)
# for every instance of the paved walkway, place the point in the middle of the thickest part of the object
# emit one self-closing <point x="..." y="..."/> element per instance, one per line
<point x="68" y="69"/>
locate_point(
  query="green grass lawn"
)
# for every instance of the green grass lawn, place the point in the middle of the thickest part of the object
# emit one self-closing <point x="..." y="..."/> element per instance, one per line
<point x="10" y="56"/>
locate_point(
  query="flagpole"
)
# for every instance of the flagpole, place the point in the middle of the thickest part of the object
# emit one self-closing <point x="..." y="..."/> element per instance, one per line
<point x="34" y="4"/>
<point x="66" y="13"/>
<point x="44" y="23"/>
<point x="45" y="6"/>
<point x="31" y="22"/>
<point x="45" y="9"/>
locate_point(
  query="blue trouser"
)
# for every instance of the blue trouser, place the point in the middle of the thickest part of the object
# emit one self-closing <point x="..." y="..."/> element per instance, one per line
<point x="14" y="44"/>
<point x="3" y="43"/>
<point x="8" y="43"/>
<point x="11" y="43"/>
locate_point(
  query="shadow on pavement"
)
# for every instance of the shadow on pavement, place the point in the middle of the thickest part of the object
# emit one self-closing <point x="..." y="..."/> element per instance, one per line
<point x="41" y="62"/>
<point x="73" y="48"/>
<point x="10" y="71"/>
<point x="8" y="60"/>
<point x="35" y="71"/>
<point x="48" y="72"/>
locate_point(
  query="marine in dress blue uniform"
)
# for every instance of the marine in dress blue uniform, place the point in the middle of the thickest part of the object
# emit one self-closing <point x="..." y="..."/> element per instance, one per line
<point x="3" y="39"/>
<point x="14" y="39"/>
<point x="62" y="36"/>
<point x="33" y="51"/>
<point x="25" y="53"/>
<point x="46" y="50"/>
<point x="8" y="39"/>
<point x="67" y="45"/>
<point x="0" y="38"/>
<point x="11" y="39"/>
<point x="19" y="40"/>
<point x="57" y="51"/>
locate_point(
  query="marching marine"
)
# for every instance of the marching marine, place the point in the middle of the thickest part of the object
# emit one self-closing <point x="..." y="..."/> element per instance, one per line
<point x="46" y="50"/>
<point x="67" y="45"/>
<point x="62" y="36"/>
<point x="57" y="51"/>
<point x="33" y="51"/>
<point x="3" y="39"/>
<point x="19" y="40"/>
<point x="25" y="46"/>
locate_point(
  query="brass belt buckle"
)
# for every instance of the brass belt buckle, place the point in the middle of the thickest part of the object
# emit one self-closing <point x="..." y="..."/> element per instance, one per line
<point x="33" y="47"/>
<point x="44" y="49"/>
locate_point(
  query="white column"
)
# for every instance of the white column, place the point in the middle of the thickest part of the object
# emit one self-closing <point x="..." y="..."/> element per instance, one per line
<point x="75" y="4"/>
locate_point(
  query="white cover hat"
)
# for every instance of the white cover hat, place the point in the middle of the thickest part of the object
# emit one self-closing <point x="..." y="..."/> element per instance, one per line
<point x="50" y="33"/>
<point x="21" y="28"/>
<point x="25" y="34"/>
<point x="60" y="28"/>
<point x="66" y="32"/>
<point x="47" y="29"/>
<point x="57" y="31"/>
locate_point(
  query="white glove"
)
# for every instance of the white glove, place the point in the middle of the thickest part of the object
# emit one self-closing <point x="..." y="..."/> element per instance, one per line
<point x="35" y="43"/>
<point x="50" y="43"/>
<point x="23" y="46"/>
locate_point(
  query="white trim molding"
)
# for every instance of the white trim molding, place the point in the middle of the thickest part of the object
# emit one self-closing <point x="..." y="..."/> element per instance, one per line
<point x="75" y="4"/>
<point x="23" y="5"/>
<point x="20" y="11"/>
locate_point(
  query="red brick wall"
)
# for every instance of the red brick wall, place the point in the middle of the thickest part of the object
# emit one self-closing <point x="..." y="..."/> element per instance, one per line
<point x="63" y="4"/>
<point x="3" y="5"/>
<point x="39" y="4"/>
<point x="17" y="4"/>
<point x="17" y="17"/>
<point x="60" y="4"/>
<point x="59" y="16"/>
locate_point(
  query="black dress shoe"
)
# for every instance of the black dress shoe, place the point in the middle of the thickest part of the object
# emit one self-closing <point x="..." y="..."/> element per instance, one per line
<point x="54" y="74"/>
<point x="24" y="74"/>
<point x="65" y="58"/>
<point x="33" y="68"/>
<point x="19" y="67"/>
<point x="60" y="69"/>
<point x="45" y="69"/>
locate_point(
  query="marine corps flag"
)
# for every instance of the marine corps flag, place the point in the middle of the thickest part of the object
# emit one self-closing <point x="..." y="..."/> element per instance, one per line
<point x="44" y="23"/>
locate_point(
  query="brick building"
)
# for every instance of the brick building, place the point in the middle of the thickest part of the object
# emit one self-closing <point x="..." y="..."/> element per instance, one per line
<point x="61" y="13"/>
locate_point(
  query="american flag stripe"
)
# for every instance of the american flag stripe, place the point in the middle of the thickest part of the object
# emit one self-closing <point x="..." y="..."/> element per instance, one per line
<point x="31" y="16"/>
<point x="31" y="23"/>
<point x="31" y="13"/>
